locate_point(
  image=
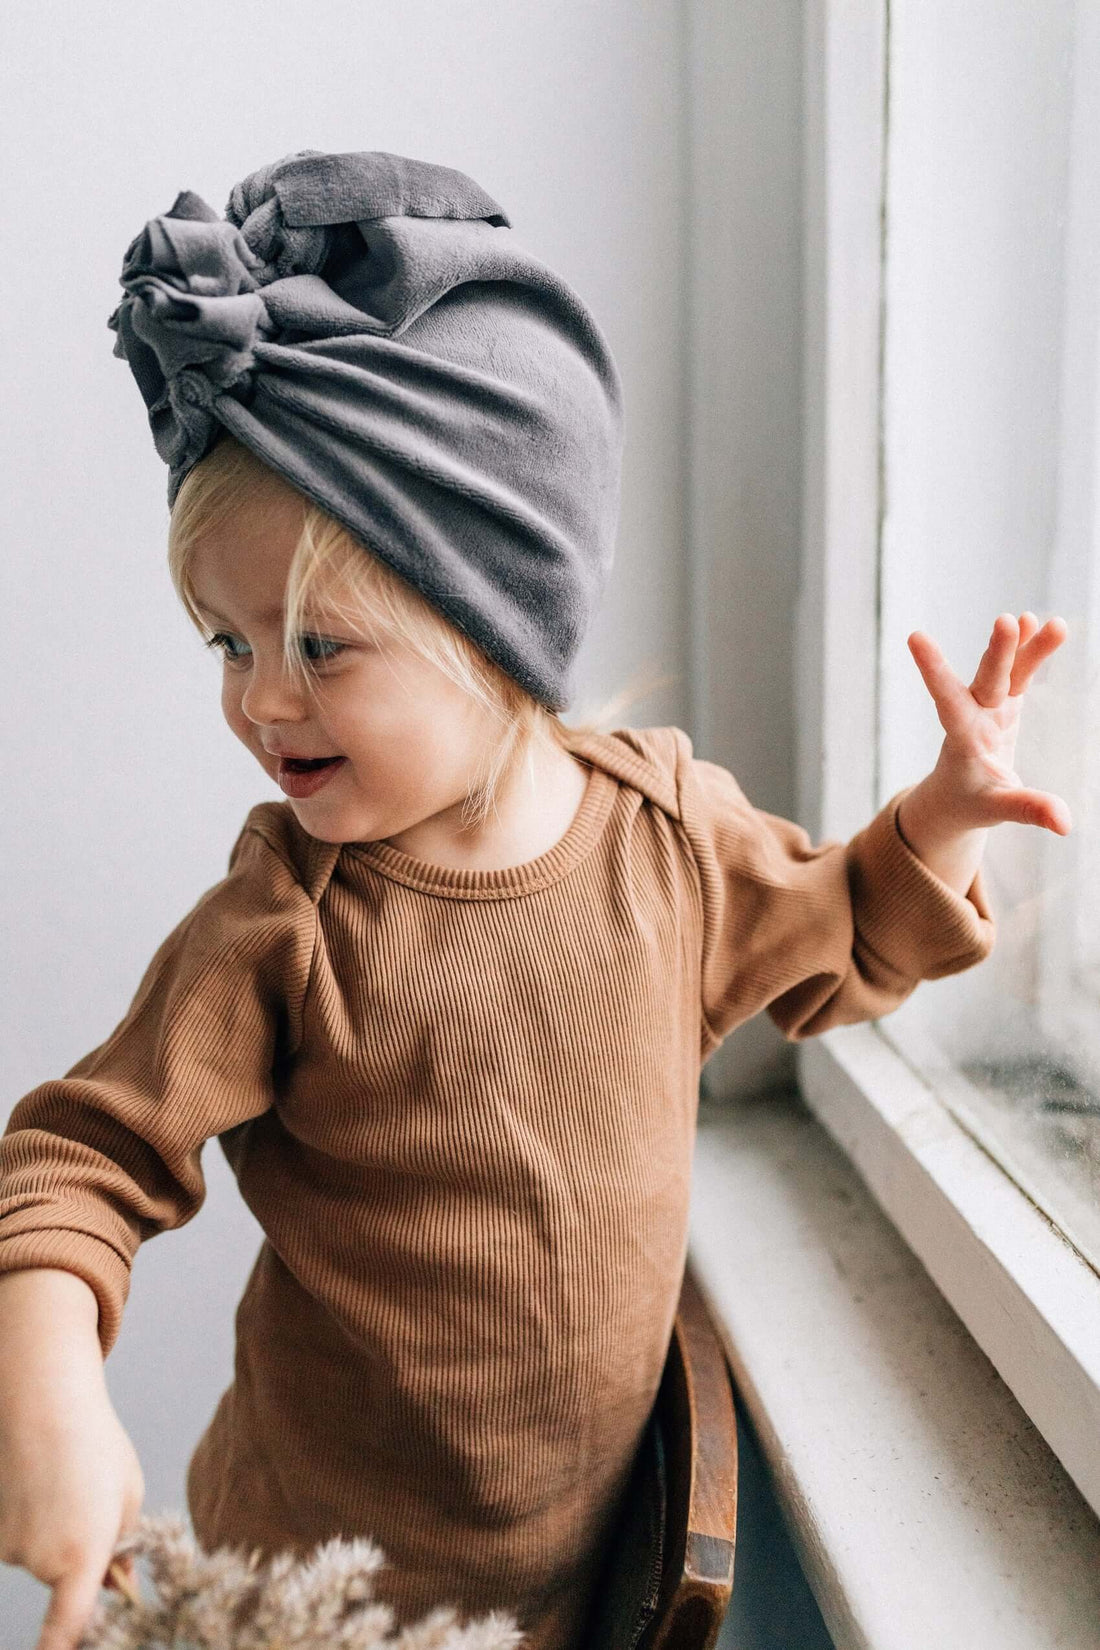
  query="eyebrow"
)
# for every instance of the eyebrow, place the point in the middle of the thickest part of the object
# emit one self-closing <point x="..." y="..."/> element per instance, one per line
<point x="212" y="613"/>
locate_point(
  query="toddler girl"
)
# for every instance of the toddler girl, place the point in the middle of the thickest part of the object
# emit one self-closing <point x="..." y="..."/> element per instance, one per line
<point x="447" y="1009"/>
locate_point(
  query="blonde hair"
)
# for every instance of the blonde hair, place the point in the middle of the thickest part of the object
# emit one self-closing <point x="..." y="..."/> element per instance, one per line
<point x="371" y="597"/>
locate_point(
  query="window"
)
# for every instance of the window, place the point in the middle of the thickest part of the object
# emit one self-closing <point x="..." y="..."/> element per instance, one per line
<point x="953" y="398"/>
<point x="990" y="449"/>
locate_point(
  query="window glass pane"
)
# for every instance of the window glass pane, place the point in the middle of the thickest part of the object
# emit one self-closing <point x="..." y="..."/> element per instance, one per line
<point x="991" y="466"/>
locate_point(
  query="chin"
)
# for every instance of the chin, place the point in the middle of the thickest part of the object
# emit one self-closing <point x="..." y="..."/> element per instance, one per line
<point x="334" y="829"/>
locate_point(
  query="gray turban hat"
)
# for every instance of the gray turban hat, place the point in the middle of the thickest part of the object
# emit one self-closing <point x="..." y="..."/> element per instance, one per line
<point x="368" y="326"/>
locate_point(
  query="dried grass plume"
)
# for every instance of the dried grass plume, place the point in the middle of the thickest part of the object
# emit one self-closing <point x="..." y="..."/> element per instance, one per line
<point x="226" y="1601"/>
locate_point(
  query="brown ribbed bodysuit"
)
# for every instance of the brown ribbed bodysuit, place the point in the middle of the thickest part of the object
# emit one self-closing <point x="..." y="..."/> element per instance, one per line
<point x="461" y="1104"/>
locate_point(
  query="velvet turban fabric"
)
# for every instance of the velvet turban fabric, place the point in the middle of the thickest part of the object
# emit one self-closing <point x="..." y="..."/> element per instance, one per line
<point x="369" y="327"/>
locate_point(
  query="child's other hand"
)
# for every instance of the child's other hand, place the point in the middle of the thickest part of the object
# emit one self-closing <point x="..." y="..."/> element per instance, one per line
<point x="72" y="1485"/>
<point x="70" y="1480"/>
<point x="975" y="779"/>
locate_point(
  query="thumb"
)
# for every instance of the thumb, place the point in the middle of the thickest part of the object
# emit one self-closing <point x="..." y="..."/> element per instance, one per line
<point x="1024" y="807"/>
<point x="121" y="1577"/>
<point x="70" y="1609"/>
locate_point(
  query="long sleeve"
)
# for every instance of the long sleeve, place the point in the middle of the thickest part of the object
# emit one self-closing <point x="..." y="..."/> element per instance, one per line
<point x="818" y="935"/>
<point x="95" y="1162"/>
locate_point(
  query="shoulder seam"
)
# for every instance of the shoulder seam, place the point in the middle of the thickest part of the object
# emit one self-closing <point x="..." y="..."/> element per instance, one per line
<point x="710" y="1039"/>
<point x="257" y="829"/>
<point x="265" y="835"/>
<point x="617" y="755"/>
<point x="318" y="873"/>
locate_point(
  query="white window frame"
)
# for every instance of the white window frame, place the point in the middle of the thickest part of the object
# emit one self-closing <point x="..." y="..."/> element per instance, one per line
<point x="1069" y="956"/>
<point x="1029" y="1300"/>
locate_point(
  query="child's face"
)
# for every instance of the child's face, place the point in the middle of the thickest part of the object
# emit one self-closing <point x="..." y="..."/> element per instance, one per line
<point x="410" y="741"/>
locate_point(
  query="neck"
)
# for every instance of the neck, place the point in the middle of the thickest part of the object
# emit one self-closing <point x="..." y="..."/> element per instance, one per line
<point x="535" y="804"/>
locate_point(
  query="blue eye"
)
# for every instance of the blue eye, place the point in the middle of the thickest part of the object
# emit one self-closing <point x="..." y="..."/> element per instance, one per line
<point x="308" y="640"/>
<point x="225" y="644"/>
<point x="315" y="649"/>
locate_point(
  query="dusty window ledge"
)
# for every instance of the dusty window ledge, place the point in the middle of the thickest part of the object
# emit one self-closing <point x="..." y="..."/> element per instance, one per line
<point x="928" y="1511"/>
<point x="1029" y="1300"/>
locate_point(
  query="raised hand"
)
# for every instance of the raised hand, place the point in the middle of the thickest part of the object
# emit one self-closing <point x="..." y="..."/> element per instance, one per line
<point x="974" y="783"/>
<point x="977" y="782"/>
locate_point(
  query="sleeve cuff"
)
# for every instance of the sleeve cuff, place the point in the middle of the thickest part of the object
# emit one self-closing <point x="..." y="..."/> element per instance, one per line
<point x="906" y="914"/>
<point x="102" y="1268"/>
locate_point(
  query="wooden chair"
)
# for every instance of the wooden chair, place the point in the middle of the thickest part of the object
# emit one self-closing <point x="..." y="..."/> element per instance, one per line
<point x="669" y="1576"/>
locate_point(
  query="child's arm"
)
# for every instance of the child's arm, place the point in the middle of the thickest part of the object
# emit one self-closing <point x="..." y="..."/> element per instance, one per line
<point x="95" y="1162"/>
<point x="828" y="934"/>
<point x="70" y="1482"/>
<point x="945" y="819"/>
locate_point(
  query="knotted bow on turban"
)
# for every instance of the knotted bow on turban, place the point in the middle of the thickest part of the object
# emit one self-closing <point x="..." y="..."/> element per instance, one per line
<point x="368" y="326"/>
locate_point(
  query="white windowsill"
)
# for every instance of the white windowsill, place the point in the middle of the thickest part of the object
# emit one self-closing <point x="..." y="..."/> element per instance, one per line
<point x="1026" y="1296"/>
<point x="928" y="1512"/>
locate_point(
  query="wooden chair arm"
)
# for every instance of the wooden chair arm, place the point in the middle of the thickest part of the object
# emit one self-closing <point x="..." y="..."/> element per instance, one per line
<point x="668" y="1576"/>
<point x="699" y="1427"/>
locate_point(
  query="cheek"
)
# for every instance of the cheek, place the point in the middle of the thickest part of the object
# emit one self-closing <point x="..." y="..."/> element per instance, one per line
<point x="232" y="689"/>
<point x="386" y="736"/>
<point x="439" y="744"/>
<point x="416" y="735"/>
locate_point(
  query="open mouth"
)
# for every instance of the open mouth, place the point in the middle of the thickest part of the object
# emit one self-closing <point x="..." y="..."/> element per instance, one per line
<point x="302" y="776"/>
<point x="307" y="764"/>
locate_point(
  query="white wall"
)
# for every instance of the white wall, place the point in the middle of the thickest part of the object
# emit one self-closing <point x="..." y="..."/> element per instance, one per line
<point x="125" y="789"/>
<point x="744" y="449"/>
<point x="976" y="354"/>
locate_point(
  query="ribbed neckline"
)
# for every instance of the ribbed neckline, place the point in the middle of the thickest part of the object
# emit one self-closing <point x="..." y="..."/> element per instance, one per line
<point x="459" y="882"/>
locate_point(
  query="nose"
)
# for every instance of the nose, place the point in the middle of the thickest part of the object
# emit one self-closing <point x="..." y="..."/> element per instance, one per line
<point x="270" y="694"/>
